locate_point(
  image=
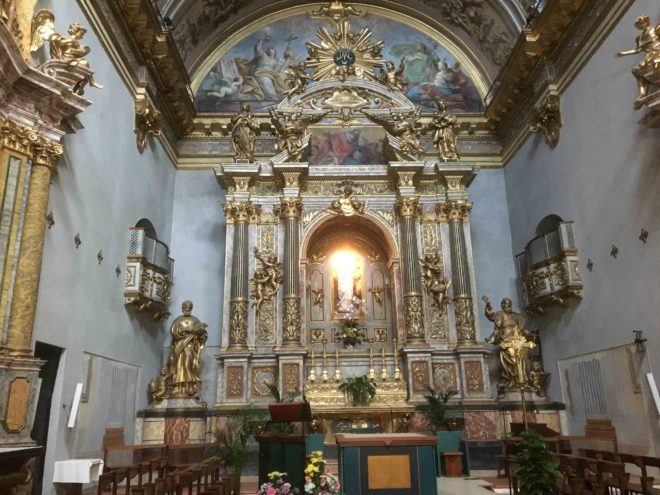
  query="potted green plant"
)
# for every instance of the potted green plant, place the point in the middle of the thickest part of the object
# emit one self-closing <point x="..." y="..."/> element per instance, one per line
<point x="287" y="409"/>
<point x="360" y="388"/>
<point x="534" y="467"/>
<point x="232" y="438"/>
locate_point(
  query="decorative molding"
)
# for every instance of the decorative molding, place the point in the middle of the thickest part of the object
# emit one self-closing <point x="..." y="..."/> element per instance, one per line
<point x="546" y="118"/>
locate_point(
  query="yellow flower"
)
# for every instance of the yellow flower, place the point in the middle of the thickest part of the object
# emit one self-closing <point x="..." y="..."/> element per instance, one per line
<point x="274" y="475"/>
<point x="311" y="469"/>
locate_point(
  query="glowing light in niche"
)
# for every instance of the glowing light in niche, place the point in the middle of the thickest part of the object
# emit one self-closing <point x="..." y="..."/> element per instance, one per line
<point x="347" y="268"/>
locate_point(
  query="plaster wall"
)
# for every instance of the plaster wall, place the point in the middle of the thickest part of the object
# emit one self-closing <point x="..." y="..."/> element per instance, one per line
<point x="198" y="244"/>
<point x="104" y="186"/>
<point x="605" y="176"/>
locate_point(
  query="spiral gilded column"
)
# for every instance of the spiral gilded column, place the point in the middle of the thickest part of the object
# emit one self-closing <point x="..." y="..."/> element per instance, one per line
<point x="290" y="210"/>
<point x="456" y="212"/>
<point x="407" y="208"/>
<point x="45" y="156"/>
<point x="239" y="213"/>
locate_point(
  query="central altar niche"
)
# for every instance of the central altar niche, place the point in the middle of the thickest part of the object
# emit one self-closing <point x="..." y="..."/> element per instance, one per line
<point x="348" y="282"/>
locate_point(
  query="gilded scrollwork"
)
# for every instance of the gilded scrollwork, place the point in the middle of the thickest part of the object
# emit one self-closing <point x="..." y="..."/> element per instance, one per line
<point x="238" y="314"/>
<point x="289" y="207"/>
<point x="474" y="377"/>
<point x="464" y="312"/>
<point x="458" y="210"/>
<point x="235" y="384"/>
<point x="266" y="323"/>
<point x="547" y="119"/>
<point x="380" y="334"/>
<point x="336" y="11"/>
<point x="240" y="211"/>
<point x="291" y="378"/>
<point x="317" y="335"/>
<point x="419" y="371"/>
<point x="291" y="323"/>
<point x="407" y="206"/>
<point x="414" y="319"/>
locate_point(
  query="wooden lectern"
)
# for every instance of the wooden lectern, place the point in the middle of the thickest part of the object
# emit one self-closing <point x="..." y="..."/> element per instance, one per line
<point x="388" y="464"/>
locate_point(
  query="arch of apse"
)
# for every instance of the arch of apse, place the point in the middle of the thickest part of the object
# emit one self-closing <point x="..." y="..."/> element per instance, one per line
<point x="470" y="60"/>
<point x="375" y="228"/>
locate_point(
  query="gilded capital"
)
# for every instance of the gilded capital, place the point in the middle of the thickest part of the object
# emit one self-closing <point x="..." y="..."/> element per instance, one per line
<point x="455" y="210"/>
<point x="407" y="206"/>
<point x="46" y="153"/>
<point x="240" y="211"/>
<point x="290" y="207"/>
<point x="17" y="137"/>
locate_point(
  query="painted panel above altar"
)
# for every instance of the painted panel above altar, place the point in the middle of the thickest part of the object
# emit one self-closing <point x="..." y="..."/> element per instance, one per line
<point x="252" y="68"/>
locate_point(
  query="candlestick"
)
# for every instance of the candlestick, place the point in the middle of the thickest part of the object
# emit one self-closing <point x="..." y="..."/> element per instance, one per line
<point x="383" y="372"/>
<point x="372" y="372"/>
<point x="397" y="371"/>
<point x="337" y="371"/>
<point x="324" y="372"/>
<point x="312" y="371"/>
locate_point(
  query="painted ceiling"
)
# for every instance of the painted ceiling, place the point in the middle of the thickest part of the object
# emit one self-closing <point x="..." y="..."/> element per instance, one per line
<point x="451" y="48"/>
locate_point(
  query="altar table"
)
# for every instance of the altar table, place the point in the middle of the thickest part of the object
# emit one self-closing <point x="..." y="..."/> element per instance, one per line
<point x="388" y="464"/>
<point x="70" y="475"/>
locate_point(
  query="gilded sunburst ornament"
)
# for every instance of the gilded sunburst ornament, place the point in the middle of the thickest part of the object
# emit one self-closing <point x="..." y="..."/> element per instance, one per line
<point x="343" y="54"/>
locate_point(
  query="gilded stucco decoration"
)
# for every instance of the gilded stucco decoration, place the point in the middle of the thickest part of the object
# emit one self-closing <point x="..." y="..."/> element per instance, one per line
<point x="444" y="128"/>
<point x="647" y="72"/>
<point x="419" y="371"/>
<point x="474" y="379"/>
<point x="444" y="376"/>
<point x="67" y="53"/>
<point x="238" y="312"/>
<point x="261" y="377"/>
<point x="414" y="319"/>
<point x="291" y="131"/>
<point x="346" y="205"/>
<point x="464" y="313"/>
<point x="266" y="280"/>
<point x="291" y="322"/>
<point x="235" y="385"/>
<point x="289" y="207"/>
<point x="266" y="323"/>
<point x="434" y="280"/>
<point x="148" y="122"/>
<point x="241" y="211"/>
<point x="408" y="206"/>
<point x="244" y="130"/>
<point x="405" y="129"/>
<point x="291" y="378"/>
<point x="546" y="118"/>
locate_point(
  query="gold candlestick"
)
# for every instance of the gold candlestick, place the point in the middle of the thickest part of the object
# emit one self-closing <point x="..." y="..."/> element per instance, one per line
<point x="324" y="372"/>
<point x="397" y="371"/>
<point x="383" y="372"/>
<point x="312" y="372"/>
<point x="337" y="372"/>
<point x="372" y="372"/>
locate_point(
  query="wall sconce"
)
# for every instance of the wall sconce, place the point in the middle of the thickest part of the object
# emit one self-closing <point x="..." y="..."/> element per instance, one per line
<point x="639" y="341"/>
<point x="644" y="235"/>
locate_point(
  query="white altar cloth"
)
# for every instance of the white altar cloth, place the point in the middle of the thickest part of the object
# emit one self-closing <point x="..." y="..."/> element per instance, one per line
<point x="77" y="470"/>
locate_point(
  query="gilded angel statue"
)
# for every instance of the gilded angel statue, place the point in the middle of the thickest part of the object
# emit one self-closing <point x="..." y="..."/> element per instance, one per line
<point x="290" y="129"/>
<point x="405" y="128"/>
<point x="266" y="279"/>
<point x="67" y="49"/>
<point x="393" y="78"/>
<point x="647" y="71"/>
<point x="296" y="79"/>
<point x="435" y="283"/>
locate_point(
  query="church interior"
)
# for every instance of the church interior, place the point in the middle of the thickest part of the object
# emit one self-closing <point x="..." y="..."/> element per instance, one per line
<point x="373" y="247"/>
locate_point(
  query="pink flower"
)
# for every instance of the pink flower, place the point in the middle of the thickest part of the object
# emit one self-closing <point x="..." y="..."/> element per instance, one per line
<point x="322" y="481"/>
<point x="308" y="479"/>
<point x="271" y="491"/>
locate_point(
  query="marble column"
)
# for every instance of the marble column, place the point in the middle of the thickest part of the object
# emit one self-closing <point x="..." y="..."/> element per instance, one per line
<point x="456" y="212"/>
<point x="290" y="210"/>
<point x="239" y="213"/>
<point x="45" y="155"/>
<point x="407" y="208"/>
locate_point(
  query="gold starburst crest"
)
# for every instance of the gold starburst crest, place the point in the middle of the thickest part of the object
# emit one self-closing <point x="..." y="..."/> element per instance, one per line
<point x="343" y="54"/>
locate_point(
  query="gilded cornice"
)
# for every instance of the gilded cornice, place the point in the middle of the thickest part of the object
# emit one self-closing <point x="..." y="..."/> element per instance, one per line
<point x="16" y="137"/>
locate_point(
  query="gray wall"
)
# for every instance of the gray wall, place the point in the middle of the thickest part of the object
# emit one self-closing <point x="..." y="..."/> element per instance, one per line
<point x="605" y="175"/>
<point x="198" y="244"/>
<point x="104" y="186"/>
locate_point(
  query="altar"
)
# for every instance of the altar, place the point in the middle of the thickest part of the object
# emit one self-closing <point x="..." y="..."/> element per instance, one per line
<point x="392" y="464"/>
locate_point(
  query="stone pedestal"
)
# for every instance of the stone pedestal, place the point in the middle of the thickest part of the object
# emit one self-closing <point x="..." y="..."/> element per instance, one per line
<point x="19" y="389"/>
<point x="173" y="422"/>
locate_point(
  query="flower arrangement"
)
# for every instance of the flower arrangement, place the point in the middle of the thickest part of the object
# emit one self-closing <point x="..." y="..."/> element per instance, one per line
<point x="277" y="485"/>
<point x="317" y="481"/>
<point x="350" y="333"/>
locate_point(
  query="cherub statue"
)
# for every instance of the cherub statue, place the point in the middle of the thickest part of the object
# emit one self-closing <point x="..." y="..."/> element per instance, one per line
<point x="538" y="378"/>
<point x="393" y="78"/>
<point x="67" y="49"/>
<point x="336" y="11"/>
<point x="434" y="280"/>
<point x="405" y="128"/>
<point x="647" y="72"/>
<point x="266" y="279"/>
<point x="158" y="387"/>
<point x="443" y="126"/>
<point x="290" y="129"/>
<point x="318" y="297"/>
<point x="296" y="79"/>
<point x="347" y="205"/>
<point x="244" y="129"/>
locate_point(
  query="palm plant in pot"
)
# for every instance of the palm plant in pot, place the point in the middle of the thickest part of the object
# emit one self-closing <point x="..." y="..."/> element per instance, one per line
<point x="360" y="388"/>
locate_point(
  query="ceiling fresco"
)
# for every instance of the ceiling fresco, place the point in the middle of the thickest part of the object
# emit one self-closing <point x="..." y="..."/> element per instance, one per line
<point x="252" y="70"/>
<point x="491" y="26"/>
